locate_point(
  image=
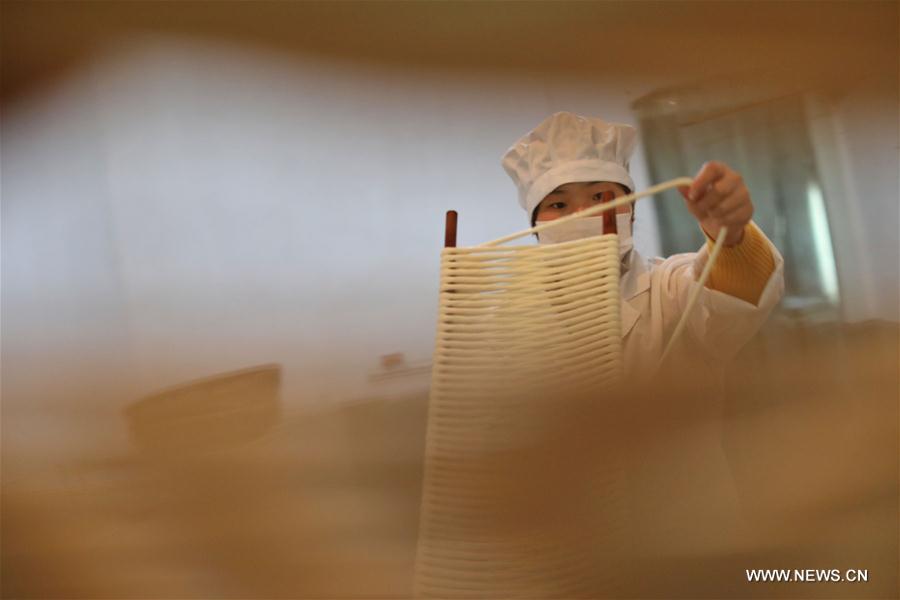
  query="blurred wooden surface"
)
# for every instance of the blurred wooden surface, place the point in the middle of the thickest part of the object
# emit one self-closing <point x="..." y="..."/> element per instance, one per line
<point x="326" y="505"/>
<point x="43" y="41"/>
<point x="217" y="412"/>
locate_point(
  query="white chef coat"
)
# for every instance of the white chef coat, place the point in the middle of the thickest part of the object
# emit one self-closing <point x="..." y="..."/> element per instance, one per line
<point x="684" y="497"/>
<point x="655" y="294"/>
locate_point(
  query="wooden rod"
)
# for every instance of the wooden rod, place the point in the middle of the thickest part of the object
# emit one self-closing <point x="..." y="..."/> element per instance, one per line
<point x="450" y="229"/>
<point x="609" y="216"/>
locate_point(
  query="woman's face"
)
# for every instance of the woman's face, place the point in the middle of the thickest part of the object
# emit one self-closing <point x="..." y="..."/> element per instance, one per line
<point x="570" y="198"/>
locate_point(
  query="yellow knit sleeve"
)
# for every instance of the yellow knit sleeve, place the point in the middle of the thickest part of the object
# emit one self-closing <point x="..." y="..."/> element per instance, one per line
<point x="743" y="270"/>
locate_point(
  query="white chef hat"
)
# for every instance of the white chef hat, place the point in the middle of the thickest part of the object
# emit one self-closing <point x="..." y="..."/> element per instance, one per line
<point x="566" y="148"/>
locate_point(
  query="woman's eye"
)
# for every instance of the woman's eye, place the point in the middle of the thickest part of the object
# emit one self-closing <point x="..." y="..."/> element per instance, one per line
<point x="557" y="205"/>
<point x="598" y="197"/>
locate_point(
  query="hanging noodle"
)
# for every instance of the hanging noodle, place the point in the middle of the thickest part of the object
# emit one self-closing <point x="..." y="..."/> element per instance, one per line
<point x="520" y="329"/>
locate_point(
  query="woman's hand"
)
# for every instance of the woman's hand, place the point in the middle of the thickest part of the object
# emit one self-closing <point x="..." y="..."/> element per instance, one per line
<point x="718" y="198"/>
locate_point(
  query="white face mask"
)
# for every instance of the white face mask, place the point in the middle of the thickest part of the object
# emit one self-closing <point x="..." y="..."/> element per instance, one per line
<point x="577" y="229"/>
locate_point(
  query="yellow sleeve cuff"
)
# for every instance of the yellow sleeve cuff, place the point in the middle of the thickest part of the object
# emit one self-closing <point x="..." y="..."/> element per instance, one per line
<point x="743" y="269"/>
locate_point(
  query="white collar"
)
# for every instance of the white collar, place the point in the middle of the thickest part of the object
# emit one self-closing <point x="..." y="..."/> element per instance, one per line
<point x="634" y="281"/>
<point x="635" y="277"/>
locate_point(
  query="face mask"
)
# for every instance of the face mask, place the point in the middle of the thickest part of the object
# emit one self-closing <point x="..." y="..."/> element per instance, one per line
<point x="578" y="229"/>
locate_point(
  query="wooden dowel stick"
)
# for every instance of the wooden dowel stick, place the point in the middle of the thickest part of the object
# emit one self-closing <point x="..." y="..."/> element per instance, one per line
<point x="609" y="216"/>
<point x="450" y="229"/>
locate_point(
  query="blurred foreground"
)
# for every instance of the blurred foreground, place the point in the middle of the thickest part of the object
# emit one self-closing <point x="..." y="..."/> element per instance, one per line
<point x="224" y="498"/>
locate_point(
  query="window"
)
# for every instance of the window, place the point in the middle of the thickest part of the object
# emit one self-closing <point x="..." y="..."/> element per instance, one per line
<point x="768" y="142"/>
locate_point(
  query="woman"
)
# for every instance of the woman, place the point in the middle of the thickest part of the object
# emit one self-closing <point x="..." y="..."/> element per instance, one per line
<point x="568" y="163"/>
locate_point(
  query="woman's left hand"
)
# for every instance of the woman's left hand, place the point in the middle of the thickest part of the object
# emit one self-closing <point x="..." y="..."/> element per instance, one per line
<point x="719" y="198"/>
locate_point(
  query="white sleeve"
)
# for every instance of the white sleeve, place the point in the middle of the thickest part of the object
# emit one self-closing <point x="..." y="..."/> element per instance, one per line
<point x="719" y="323"/>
